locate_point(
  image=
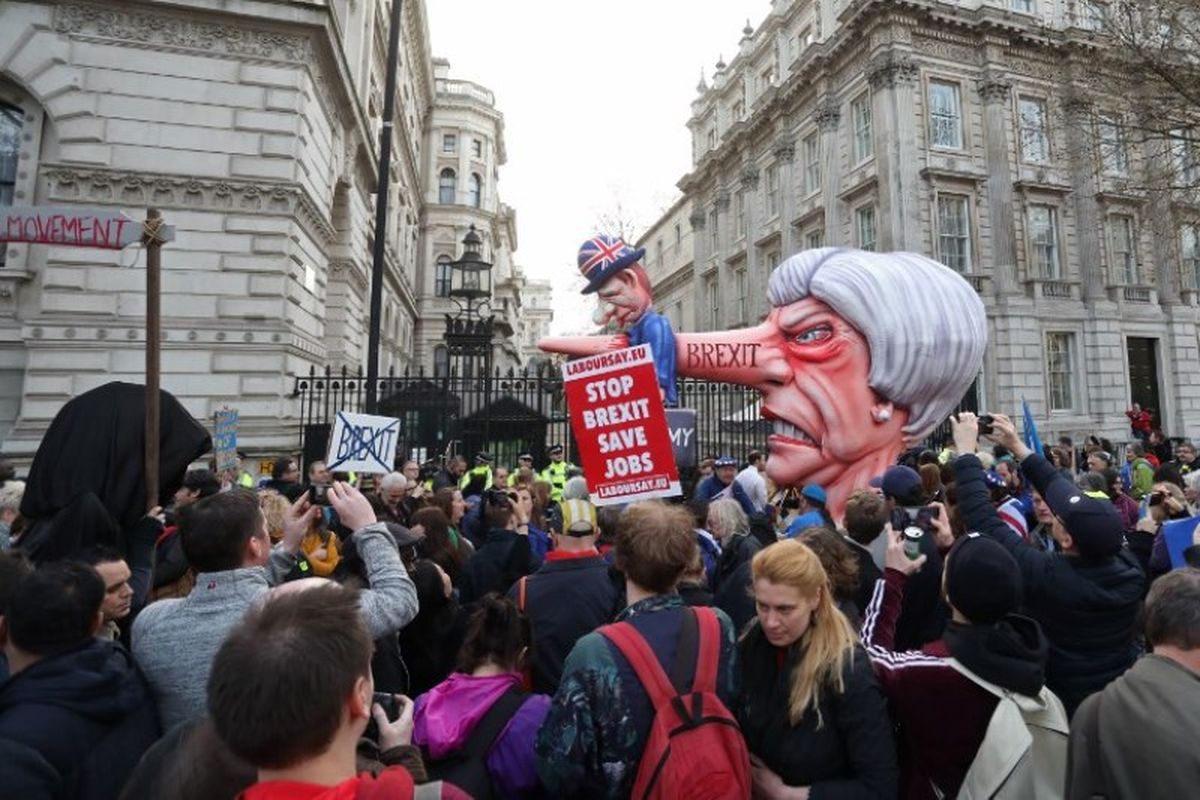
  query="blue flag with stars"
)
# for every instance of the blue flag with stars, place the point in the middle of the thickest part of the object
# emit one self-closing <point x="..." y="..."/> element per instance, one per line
<point x="1032" y="441"/>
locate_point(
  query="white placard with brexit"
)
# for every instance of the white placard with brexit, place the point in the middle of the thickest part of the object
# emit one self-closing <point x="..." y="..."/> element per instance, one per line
<point x="362" y="443"/>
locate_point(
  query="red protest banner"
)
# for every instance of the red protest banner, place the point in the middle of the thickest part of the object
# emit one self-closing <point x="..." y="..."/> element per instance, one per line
<point x="620" y="426"/>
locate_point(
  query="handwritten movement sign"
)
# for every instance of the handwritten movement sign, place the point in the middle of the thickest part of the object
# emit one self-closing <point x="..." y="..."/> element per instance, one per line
<point x="619" y="424"/>
<point x="362" y="443"/>
<point x="225" y="439"/>
<point x="75" y="227"/>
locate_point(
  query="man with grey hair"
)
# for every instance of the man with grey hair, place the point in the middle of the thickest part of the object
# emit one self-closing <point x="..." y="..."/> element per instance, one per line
<point x="861" y="354"/>
<point x="393" y="491"/>
<point x="1136" y="738"/>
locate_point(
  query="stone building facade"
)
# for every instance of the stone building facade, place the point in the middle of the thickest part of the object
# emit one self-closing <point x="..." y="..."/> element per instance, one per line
<point x="538" y="314"/>
<point x="962" y="131"/>
<point x="254" y="127"/>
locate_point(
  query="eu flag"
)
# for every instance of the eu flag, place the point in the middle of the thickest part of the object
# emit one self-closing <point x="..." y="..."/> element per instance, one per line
<point x="1032" y="441"/>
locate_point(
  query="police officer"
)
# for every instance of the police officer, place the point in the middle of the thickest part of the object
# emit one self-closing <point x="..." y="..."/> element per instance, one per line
<point x="556" y="473"/>
<point x="524" y="461"/>
<point x="483" y="466"/>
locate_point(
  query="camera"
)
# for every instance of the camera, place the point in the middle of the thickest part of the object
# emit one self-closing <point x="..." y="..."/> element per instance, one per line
<point x="318" y="494"/>
<point x="986" y="424"/>
<point x="1155" y="499"/>
<point x="391" y="709"/>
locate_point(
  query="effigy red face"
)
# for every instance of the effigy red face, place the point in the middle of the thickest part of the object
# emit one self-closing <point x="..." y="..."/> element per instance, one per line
<point x="826" y="417"/>
<point x="624" y="299"/>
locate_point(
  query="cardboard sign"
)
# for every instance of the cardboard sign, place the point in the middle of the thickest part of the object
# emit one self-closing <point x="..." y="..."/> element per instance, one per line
<point x="100" y="228"/>
<point x="225" y="439"/>
<point x="619" y="424"/>
<point x="362" y="443"/>
<point x="681" y="422"/>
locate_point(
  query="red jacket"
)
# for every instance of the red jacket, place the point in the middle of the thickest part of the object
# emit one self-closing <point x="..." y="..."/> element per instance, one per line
<point x="394" y="783"/>
<point x="1140" y="420"/>
<point x="942" y="715"/>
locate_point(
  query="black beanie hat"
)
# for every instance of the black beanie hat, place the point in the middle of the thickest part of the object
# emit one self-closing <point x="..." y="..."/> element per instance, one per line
<point x="983" y="580"/>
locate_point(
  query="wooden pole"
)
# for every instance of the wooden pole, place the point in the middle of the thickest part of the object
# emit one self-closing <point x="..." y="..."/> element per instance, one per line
<point x="153" y="244"/>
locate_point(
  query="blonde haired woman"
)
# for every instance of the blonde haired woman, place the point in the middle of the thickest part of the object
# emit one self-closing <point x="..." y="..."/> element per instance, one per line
<point x="810" y="708"/>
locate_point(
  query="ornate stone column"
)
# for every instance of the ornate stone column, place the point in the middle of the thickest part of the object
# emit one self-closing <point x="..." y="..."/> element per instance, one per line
<point x="828" y="116"/>
<point x="785" y="159"/>
<point x="892" y="76"/>
<point x="998" y="189"/>
<point x="1089" y="228"/>
<point x="724" y="242"/>
<point x="699" y="223"/>
<point x="753" y="264"/>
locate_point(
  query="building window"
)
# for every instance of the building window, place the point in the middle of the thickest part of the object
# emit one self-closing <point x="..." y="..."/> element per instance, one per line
<point x="860" y="117"/>
<point x="712" y="138"/>
<point x="1186" y="144"/>
<point x="1035" y="132"/>
<point x="678" y="235"/>
<point x="804" y="40"/>
<point x="714" y="232"/>
<point x="814" y="240"/>
<point x="1124" y="249"/>
<point x="945" y="115"/>
<point x="677" y="315"/>
<point x="449" y="142"/>
<point x="1114" y="150"/>
<point x="812" y="165"/>
<point x="10" y="150"/>
<point x="658" y="251"/>
<point x="772" y="191"/>
<point x="739" y="215"/>
<point x="768" y="79"/>
<point x="476" y="190"/>
<point x="713" y="301"/>
<point x="1024" y="6"/>
<point x="740" y="276"/>
<point x="773" y="260"/>
<point x="441" y="277"/>
<point x="1089" y="14"/>
<point x="1043" y="237"/>
<point x="441" y="361"/>
<point x="864" y="228"/>
<point x="954" y="231"/>
<point x="1059" y="372"/>
<point x="477" y="148"/>
<point x="1189" y="249"/>
<point x="739" y="110"/>
<point x="446" y="186"/>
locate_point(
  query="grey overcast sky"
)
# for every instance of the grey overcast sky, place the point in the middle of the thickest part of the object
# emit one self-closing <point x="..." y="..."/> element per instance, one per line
<point x="596" y="98"/>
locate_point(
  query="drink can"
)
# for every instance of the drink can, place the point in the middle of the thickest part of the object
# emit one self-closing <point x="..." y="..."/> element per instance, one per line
<point x="912" y="542"/>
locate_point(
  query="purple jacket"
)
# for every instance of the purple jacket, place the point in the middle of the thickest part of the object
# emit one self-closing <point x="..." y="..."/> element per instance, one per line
<point x="445" y="716"/>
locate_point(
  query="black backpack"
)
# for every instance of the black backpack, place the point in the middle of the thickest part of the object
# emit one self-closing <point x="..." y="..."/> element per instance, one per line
<point x="467" y="768"/>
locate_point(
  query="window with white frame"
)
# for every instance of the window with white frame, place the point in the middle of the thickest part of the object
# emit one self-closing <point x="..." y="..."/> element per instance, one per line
<point x="860" y="117"/>
<point x="1123" y="246"/>
<point x="449" y="142"/>
<point x="1189" y="251"/>
<point x="812" y="164"/>
<point x="476" y="190"/>
<point x="11" y="122"/>
<point x="945" y="115"/>
<point x="773" y="260"/>
<point x="740" y="283"/>
<point x="771" y="189"/>
<point x="1186" y="146"/>
<point x="739" y="110"/>
<point x="714" y="232"/>
<point x="864" y="228"/>
<point x="739" y="214"/>
<point x="1043" y="241"/>
<point x="954" y="231"/>
<point x="477" y="148"/>
<point x="1035" y="131"/>
<point x="441" y="361"/>
<point x="1024" y="6"/>
<point x="1060" y="373"/>
<point x="1090" y="14"/>
<point x="814" y="240"/>
<point x="442" y="277"/>
<point x="713" y="301"/>
<point x="447" y="186"/>
<point x="804" y="40"/>
<point x="1114" y="149"/>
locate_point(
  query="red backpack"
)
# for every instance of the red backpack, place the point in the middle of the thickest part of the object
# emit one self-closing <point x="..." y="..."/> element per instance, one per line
<point x="695" y="749"/>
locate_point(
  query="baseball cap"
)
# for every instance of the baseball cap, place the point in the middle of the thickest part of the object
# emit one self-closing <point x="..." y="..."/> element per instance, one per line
<point x="814" y="493"/>
<point x="554" y="450"/>
<point x="483" y="458"/>
<point x="578" y="517"/>
<point x="902" y="483"/>
<point x="725" y="461"/>
<point x="983" y="580"/>
<point x="1094" y="524"/>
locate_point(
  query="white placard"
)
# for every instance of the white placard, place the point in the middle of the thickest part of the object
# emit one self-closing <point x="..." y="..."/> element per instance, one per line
<point x="362" y="443"/>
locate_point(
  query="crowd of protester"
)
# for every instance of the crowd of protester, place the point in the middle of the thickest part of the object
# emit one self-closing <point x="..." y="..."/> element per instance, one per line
<point x="986" y="621"/>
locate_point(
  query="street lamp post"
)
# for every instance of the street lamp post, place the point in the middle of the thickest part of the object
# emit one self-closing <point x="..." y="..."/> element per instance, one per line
<point x="469" y="331"/>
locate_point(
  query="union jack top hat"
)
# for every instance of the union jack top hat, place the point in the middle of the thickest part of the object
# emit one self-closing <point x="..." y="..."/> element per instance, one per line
<point x="603" y="256"/>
